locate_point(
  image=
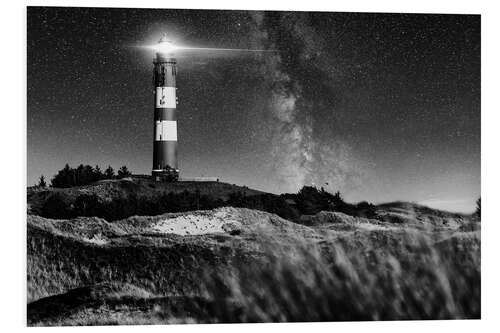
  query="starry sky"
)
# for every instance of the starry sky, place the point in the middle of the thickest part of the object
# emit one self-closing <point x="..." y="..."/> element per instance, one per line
<point x="382" y="107"/>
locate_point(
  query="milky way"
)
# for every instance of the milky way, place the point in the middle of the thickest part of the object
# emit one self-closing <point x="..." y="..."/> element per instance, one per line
<point x="379" y="106"/>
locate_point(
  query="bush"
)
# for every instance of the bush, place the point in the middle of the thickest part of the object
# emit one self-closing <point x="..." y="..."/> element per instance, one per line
<point x="84" y="175"/>
<point x="57" y="206"/>
<point x="109" y="173"/>
<point x="310" y="200"/>
<point x="124" y="172"/>
<point x="265" y="202"/>
<point x="42" y="183"/>
<point x="87" y="205"/>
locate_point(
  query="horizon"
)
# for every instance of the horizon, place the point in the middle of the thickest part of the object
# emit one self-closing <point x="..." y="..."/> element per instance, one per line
<point x="428" y="203"/>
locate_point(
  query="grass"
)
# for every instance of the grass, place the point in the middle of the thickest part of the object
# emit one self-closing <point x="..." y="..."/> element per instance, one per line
<point x="327" y="274"/>
<point x="57" y="264"/>
<point x="328" y="283"/>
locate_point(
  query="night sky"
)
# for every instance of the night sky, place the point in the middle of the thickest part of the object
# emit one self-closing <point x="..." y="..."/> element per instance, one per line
<point x="382" y="107"/>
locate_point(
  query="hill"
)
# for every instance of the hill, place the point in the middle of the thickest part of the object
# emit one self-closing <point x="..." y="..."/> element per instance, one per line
<point x="118" y="198"/>
<point x="243" y="265"/>
<point x="108" y="189"/>
<point x="408" y="213"/>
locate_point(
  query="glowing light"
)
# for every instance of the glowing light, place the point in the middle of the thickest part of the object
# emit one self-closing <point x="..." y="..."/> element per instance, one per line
<point x="166" y="46"/>
<point x="218" y="49"/>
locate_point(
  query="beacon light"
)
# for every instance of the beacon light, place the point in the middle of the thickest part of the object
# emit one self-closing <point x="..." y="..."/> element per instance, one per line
<point x="165" y="46"/>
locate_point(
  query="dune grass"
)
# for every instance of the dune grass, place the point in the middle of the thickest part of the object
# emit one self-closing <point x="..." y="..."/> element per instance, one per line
<point x="420" y="279"/>
<point x="378" y="274"/>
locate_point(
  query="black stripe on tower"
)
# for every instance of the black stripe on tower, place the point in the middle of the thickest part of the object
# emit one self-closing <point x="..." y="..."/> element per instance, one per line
<point x="165" y="114"/>
<point x="165" y="73"/>
<point x="165" y="153"/>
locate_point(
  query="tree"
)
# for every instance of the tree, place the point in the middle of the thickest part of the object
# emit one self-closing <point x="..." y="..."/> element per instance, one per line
<point x="124" y="172"/>
<point x="310" y="200"/>
<point x="64" y="177"/>
<point x="109" y="173"/>
<point x="337" y="198"/>
<point x="478" y="207"/>
<point x="82" y="175"/>
<point x="98" y="175"/>
<point x="41" y="182"/>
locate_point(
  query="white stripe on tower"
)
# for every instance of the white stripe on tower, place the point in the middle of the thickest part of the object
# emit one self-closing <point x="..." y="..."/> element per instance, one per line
<point x="165" y="97"/>
<point x="166" y="130"/>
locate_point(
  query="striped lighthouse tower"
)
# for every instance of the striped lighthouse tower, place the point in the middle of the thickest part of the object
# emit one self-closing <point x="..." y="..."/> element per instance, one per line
<point x="165" y="128"/>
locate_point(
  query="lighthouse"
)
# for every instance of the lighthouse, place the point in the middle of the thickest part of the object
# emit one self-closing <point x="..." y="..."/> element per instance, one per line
<point x="165" y="166"/>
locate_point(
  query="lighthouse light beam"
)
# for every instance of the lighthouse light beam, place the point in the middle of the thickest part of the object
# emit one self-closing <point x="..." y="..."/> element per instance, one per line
<point x="169" y="48"/>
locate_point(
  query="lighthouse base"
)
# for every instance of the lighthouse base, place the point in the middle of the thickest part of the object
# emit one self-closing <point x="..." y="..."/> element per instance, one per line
<point x="170" y="175"/>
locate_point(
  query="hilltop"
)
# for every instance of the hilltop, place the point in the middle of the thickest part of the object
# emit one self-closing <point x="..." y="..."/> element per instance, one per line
<point x="137" y="186"/>
<point x="120" y="198"/>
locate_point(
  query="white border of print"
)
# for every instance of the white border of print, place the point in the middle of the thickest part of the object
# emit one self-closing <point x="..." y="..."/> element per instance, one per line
<point x="13" y="138"/>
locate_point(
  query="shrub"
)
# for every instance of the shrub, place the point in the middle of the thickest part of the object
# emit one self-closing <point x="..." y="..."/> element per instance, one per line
<point x="64" y="177"/>
<point x="310" y="200"/>
<point x="98" y="175"/>
<point x="87" y="205"/>
<point x="109" y="173"/>
<point x="57" y="206"/>
<point x="42" y="183"/>
<point x="124" y="172"/>
<point x="265" y="202"/>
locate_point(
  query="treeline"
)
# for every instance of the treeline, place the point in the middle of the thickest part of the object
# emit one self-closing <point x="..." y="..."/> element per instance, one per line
<point x="308" y="201"/>
<point x="83" y="175"/>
